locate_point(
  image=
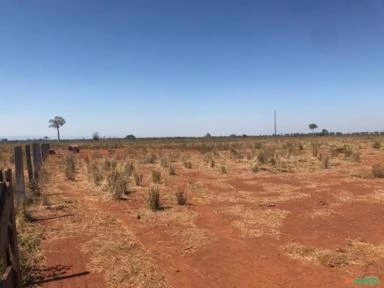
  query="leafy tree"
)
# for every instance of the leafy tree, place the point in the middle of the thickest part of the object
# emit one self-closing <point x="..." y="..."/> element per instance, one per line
<point x="208" y="135"/>
<point x="324" y="132"/>
<point x="130" y="137"/>
<point x="312" y="126"/>
<point x="56" y="123"/>
<point x="96" y="136"/>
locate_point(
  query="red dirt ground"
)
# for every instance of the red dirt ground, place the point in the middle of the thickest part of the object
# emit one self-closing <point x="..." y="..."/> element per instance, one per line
<point x="232" y="259"/>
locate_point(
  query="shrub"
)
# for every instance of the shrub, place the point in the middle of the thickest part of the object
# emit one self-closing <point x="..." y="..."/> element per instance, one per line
<point x="70" y="167"/>
<point x="378" y="171"/>
<point x="223" y="169"/>
<point x="181" y="197"/>
<point x="153" y="199"/>
<point x="156" y="177"/>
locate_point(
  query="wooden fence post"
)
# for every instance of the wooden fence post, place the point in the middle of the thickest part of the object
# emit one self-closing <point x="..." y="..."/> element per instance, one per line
<point x="8" y="237"/>
<point x="19" y="168"/>
<point x="29" y="162"/>
<point x="37" y="160"/>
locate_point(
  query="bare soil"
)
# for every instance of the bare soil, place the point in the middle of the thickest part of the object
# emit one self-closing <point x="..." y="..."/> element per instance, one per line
<point x="237" y="229"/>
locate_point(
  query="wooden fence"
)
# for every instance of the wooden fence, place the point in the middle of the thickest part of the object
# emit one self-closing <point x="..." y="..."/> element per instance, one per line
<point x="9" y="255"/>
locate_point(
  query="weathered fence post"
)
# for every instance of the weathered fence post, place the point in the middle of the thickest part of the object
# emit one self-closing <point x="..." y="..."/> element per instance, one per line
<point x="19" y="168"/>
<point x="29" y="162"/>
<point x="37" y="160"/>
<point x="8" y="237"/>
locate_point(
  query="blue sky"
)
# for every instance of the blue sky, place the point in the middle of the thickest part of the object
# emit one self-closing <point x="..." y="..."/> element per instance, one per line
<point x="184" y="68"/>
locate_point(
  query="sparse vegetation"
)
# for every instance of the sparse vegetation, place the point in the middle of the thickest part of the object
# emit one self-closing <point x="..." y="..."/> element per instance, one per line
<point x="181" y="196"/>
<point x="376" y="145"/>
<point x="117" y="183"/>
<point x="153" y="199"/>
<point x="69" y="163"/>
<point x="138" y="177"/>
<point x="188" y="164"/>
<point x="172" y="170"/>
<point x="156" y="177"/>
<point x="378" y="171"/>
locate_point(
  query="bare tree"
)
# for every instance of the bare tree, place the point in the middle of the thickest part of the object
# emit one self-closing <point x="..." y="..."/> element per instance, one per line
<point x="57" y="122"/>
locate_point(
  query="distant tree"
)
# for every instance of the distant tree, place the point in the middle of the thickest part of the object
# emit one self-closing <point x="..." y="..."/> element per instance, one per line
<point x="56" y="123"/>
<point x="130" y="137"/>
<point x="324" y="132"/>
<point x="96" y="136"/>
<point x="208" y="135"/>
<point x="46" y="138"/>
<point x="232" y="135"/>
<point x="312" y="126"/>
<point x="4" y="140"/>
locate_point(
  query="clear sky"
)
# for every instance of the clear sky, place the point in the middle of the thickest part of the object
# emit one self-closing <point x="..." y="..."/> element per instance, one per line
<point x="184" y="68"/>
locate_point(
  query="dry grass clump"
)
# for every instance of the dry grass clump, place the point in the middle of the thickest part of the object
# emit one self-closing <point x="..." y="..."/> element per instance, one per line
<point x="378" y="171"/>
<point x="109" y="164"/>
<point x="129" y="168"/>
<point x="268" y="156"/>
<point x="153" y="199"/>
<point x="172" y="170"/>
<point x="223" y="169"/>
<point x="29" y="239"/>
<point x="156" y="177"/>
<point x="324" y="158"/>
<point x="255" y="168"/>
<point x="117" y="183"/>
<point x="38" y="186"/>
<point x="345" y="150"/>
<point x="255" y="222"/>
<point x="138" y="178"/>
<point x="376" y="145"/>
<point x="150" y="159"/>
<point x="69" y="163"/>
<point x="164" y="163"/>
<point x="95" y="173"/>
<point x="188" y="164"/>
<point x="355" y="253"/>
<point x="117" y="247"/>
<point x="181" y="196"/>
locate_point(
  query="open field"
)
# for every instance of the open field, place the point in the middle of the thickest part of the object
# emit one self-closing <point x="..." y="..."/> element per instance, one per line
<point x="241" y="212"/>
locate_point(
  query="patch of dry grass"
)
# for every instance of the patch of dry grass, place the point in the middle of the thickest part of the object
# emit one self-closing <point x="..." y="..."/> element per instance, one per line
<point x="355" y="253"/>
<point x="253" y="222"/>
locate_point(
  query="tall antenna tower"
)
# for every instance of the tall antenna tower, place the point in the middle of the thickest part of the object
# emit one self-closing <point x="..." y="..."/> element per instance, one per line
<point x="275" y="123"/>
